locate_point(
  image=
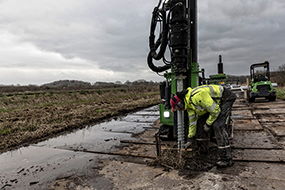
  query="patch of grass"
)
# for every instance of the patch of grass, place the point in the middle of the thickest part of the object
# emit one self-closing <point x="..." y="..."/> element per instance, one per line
<point x="3" y="110"/>
<point x="83" y="92"/>
<point x="99" y="110"/>
<point x="25" y="97"/>
<point x="28" y="114"/>
<point x="281" y="93"/>
<point x="99" y="92"/>
<point x="31" y="128"/>
<point x="5" y="131"/>
<point x="48" y="104"/>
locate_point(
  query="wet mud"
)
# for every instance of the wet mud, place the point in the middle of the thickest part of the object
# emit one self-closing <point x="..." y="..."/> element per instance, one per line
<point x="33" y="117"/>
<point x="192" y="160"/>
<point x="121" y="154"/>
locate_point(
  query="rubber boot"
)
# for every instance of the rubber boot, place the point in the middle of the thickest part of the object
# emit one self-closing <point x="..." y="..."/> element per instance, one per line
<point x="225" y="158"/>
<point x="224" y="163"/>
<point x="203" y="146"/>
<point x="189" y="143"/>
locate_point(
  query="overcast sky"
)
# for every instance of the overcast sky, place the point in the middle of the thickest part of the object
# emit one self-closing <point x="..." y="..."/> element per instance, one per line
<point x="99" y="40"/>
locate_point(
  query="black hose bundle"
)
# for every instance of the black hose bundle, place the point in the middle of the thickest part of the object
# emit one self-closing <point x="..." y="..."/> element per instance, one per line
<point x="158" y="15"/>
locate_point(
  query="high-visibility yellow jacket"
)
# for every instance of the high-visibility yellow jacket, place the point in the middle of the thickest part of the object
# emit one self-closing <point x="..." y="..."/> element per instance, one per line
<point x="201" y="100"/>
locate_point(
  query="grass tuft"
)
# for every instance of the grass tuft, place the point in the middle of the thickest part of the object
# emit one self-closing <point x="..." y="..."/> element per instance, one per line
<point x="280" y="93"/>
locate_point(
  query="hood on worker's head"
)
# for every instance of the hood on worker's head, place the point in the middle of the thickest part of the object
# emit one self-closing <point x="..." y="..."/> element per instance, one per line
<point x="187" y="95"/>
<point x="174" y="101"/>
<point x="189" y="90"/>
<point x="182" y="94"/>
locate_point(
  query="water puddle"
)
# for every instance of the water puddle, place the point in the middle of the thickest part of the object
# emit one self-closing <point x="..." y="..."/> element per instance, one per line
<point x="48" y="159"/>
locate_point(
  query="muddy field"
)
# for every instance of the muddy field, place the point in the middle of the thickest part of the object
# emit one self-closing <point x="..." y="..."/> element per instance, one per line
<point x="31" y="116"/>
<point x="121" y="154"/>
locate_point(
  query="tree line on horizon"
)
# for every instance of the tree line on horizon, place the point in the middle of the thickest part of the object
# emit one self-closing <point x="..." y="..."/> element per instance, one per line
<point x="73" y="85"/>
<point x="277" y="76"/>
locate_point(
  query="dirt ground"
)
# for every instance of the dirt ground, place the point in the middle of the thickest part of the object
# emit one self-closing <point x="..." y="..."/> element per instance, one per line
<point x="30" y="117"/>
<point x="258" y="149"/>
<point x="258" y="153"/>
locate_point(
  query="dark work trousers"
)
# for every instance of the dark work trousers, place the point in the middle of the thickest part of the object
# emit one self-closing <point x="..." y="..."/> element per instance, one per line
<point x="219" y="126"/>
<point x="202" y="137"/>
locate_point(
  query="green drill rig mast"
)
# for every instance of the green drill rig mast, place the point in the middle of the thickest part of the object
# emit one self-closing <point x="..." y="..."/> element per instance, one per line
<point x="178" y="31"/>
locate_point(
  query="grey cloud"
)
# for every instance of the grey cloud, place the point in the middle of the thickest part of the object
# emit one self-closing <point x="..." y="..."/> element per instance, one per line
<point x="245" y="32"/>
<point x="113" y="35"/>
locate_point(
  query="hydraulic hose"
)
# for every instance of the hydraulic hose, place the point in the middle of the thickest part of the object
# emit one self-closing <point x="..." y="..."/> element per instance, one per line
<point x="162" y="41"/>
<point x="163" y="38"/>
<point x="154" y="68"/>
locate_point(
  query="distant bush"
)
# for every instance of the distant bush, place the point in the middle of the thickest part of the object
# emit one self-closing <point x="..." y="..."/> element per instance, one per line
<point x="281" y="93"/>
<point x="279" y="75"/>
<point x="74" y="85"/>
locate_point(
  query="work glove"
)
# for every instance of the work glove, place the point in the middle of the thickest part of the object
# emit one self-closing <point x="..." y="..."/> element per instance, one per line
<point x="206" y="128"/>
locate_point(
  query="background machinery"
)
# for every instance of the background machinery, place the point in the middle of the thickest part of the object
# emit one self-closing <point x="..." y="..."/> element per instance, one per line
<point x="260" y="84"/>
<point x="219" y="78"/>
<point x="177" y="34"/>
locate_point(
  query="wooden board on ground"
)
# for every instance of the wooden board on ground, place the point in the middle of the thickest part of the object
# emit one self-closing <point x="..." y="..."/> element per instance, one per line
<point x="278" y="129"/>
<point x="247" y="125"/>
<point x="277" y="118"/>
<point x="254" y="139"/>
<point x="260" y="155"/>
<point x="242" y="113"/>
<point x="269" y="111"/>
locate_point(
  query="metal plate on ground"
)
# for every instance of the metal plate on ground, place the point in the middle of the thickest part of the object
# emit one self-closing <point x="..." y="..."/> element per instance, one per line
<point x="281" y="140"/>
<point x="278" y="129"/>
<point x="247" y="125"/>
<point x="147" y="113"/>
<point x="139" y="150"/>
<point x="27" y="168"/>
<point x="30" y="167"/>
<point x="260" y="155"/>
<point x="239" y="105"/>
<point x="263" y="102"/>
<point x="94" y="138"/>
<point x="254" y="139"/>
<point x="276" y="118"/>
<point x="139" y="119"/>
<point x="103" y="136"/>
<point x="259" y="174"/>
<point x="153" y="108"/>
<point x="242" y="113"/>
<point x="269" y="111"/>
<point x="242" y="108"/>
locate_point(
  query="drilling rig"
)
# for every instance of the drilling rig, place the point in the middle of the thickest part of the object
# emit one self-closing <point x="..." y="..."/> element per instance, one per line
<point x="175" y="24"/>
<point x="221" y="77"/>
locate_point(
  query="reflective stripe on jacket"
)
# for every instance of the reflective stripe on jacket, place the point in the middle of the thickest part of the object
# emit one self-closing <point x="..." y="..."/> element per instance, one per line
<point x="201" y="100"/>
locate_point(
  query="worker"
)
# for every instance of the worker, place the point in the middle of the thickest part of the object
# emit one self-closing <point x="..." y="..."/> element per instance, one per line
<point x="215" y="102"/>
